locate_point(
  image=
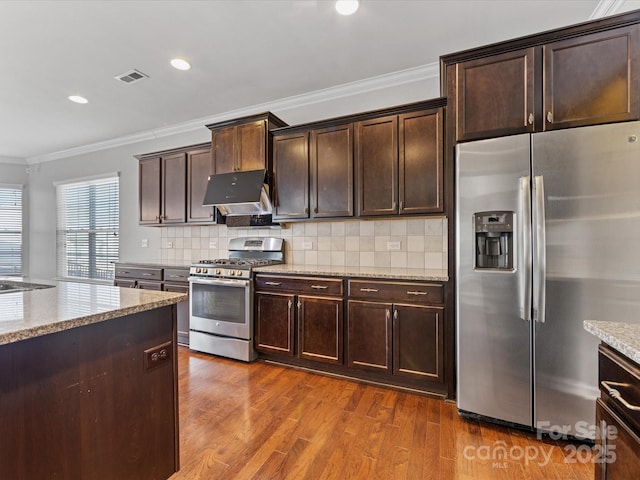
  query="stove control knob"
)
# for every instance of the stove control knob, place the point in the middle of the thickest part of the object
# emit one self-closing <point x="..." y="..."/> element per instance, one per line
<point x="198" y="270"/>
<point x="205" y="270"/>
<point x="232" y="272"/>
<point x="217" y="271"/>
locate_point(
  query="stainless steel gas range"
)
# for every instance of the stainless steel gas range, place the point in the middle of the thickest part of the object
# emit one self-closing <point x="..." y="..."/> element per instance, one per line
<point x="221" y="297"/>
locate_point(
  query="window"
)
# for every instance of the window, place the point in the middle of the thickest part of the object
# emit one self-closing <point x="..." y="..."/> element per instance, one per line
<point x="87" y="234"/>
<point x="10" y="229"/>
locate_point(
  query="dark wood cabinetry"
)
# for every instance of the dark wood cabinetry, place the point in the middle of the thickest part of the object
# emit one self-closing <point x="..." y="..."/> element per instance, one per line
<point x="291" y="176"/>
<point x="158" y="277"/>
<point x="331" y="167"/>
<point x="617" y="417"/>
<point x="172" y="185"/>
<point x="309" y="306"/>
<point x="565" y="78"/>
<point x="396" y="327"/>
<point x="199" y="168"/>
<point x="243" y="144"/>
<point x="399" y="164"/>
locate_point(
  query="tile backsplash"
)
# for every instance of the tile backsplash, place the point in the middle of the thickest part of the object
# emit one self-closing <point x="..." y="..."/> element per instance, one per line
<point x="413" y="243"/>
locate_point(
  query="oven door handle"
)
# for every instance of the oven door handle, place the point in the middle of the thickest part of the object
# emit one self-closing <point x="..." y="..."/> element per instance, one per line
<point x="220" y="281"/>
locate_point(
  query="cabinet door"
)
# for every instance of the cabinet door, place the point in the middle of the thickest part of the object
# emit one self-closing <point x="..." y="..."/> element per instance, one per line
<point x="275" y="323"/>
<point x="369" y="336"/>
<point x="149" y="190"/>
<point x="199" y="167"/>
<point x="420" y="162"/>
<point x="592" y="79"/>
<point x="617" y="446"/>
<point x="223" y="149"/>
<point x="495" y="95"/>
<point x="377" y="164"/>
<point x="331" y="158"/>
<point x="174" y="188"/>
<point x="418" y="342"/>
<point x="320" y="329"/>
<point x="291" y="172"/>
<point x="251" y="146"/>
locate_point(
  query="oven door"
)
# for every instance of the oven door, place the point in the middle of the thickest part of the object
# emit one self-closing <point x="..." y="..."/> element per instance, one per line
<point x="221" y="306"/>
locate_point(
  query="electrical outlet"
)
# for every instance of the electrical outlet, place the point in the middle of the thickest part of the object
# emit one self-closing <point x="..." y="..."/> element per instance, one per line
<point x="169" y="244"/>
<point x="157" y="355"/>
<point x="213" y="243"/>
<point x="307" y="245"/>
<point x="144" y="243"/>
<point x="393" y="245"/>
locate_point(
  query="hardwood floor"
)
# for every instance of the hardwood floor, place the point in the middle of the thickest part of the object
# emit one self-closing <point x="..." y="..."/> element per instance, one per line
<point x="260" y="421"/>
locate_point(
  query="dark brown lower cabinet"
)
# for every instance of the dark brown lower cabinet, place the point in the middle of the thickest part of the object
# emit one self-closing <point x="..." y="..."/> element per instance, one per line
<point x="418" y="342"/>
<point x="617" y="447"/>
<point x="320" y="329"/>
<point x="275" y="323"/>
<point x="369" y="336"/>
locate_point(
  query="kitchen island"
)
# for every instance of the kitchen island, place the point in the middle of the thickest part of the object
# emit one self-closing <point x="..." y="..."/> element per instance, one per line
<point x="88" y="383"/>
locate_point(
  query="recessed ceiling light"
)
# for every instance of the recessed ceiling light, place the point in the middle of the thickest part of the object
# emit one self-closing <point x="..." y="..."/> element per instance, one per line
<point x="78" y="99"/>
<point x="347" y="7"/>
<point x="180" y="64"/>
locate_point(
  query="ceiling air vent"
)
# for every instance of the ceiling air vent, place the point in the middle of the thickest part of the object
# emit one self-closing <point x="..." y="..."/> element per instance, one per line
<point x="132" y="76"/>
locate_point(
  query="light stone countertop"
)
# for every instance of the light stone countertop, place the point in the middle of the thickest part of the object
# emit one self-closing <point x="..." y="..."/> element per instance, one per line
<point x="624" y="337"/>
<point x="363" y="272"/>
<point x="68" y="305"/>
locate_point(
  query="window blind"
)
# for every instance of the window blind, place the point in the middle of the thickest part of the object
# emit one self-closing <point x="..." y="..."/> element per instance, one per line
<point x="87" y="232"/>
<point x="11" y="230"/>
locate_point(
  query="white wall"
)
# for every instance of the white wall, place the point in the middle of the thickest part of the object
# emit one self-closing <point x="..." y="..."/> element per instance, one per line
<point x="41" y="191"/>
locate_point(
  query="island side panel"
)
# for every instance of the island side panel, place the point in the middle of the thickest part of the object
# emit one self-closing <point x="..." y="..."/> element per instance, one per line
<point x="83" y="403"/>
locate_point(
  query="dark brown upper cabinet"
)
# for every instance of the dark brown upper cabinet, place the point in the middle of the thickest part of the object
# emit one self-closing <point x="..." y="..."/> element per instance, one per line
<point x="243" y="144"/>
<point x="565" y="78"/>
<point x="162" y="189"/>
<point x="199" y="168"/>
<point x="291" y="176"/>
<point x="172" y="185"/>
<point x="399" y="164"/>
<point x="495" y="95"/>
<point x="331" y="162"/>
<point x="592" y="79"/>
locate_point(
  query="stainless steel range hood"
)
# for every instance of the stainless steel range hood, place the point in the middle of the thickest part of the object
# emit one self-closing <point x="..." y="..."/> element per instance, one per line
<point x="239" y="193"/>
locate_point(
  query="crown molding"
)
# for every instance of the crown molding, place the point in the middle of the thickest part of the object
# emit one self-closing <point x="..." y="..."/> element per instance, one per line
<point x="14" y="160"/>
<point x="402" y="77"/>
<point x="606" y="8"/>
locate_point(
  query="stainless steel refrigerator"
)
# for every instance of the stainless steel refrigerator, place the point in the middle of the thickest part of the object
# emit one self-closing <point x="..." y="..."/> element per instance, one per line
<point x="548" y="235"/>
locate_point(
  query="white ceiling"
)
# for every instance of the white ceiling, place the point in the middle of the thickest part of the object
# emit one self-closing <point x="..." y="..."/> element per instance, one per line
<point x="245" y="54"/>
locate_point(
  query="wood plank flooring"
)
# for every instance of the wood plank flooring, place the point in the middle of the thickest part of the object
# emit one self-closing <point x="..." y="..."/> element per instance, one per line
<point x="260" y="421"/>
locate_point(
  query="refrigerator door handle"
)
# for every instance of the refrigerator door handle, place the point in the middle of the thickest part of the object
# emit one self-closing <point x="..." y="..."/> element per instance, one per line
<point x="524" y="236"/>
<point x="540" y="255"/>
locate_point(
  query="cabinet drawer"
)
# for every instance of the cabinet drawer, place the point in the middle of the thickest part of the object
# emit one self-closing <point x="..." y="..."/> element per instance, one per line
<point x="176" y="275"/>
<point x="620" y="384"/>
<point x="302" y="285"/>
<point x="140" y="273"/>
<point x="431" y="293"/>
<point x="149" y="285"/>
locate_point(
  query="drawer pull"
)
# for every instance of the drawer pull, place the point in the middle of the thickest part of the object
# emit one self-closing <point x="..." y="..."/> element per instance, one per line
<point x="147" y="274"/>
<point x="369" y="290"/>
<point x="616" y="394"/>
<point x="176" y="276"/>
<point x="415" y="292"/>
<point x="319" y="287"/>
<point x="274" y="284"/>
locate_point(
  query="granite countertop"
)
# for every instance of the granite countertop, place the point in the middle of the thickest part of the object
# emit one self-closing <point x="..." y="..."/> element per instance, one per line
<point x="624" y="337"/>
<point x="28" y="314"/>
<point x="365" y="272"/>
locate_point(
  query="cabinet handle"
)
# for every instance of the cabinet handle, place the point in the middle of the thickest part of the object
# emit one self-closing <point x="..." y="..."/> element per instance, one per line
<point x="147" y="274"/>
<point x="319" y="287"/>
<point x="530" y="119"/>
<point x="388" y="314"/>
<point x="415" y="292"/>
<point x="275" y="284"/>
<point x="395" y="314"/>
<point x="368" y="290"/>
<point x="306" y="210"/>
<point x="401" y="205"/>
<point x="211" y="215"/>
<point x="158" y="217"/>
<point x="299" y="305"/>
<point x="549" y="117"/>
<point x="315" y="210"/>
<point x="290" y="303"/>
<point x="616" y="394"/>
<point x="393" y="205"/>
